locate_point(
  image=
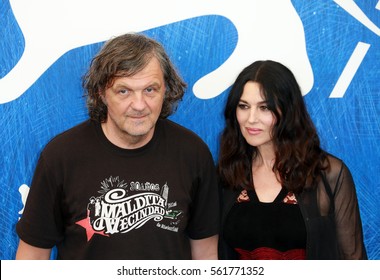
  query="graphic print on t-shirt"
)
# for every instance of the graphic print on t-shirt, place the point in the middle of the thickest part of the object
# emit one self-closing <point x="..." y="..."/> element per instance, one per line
<point x="123" y="207"/>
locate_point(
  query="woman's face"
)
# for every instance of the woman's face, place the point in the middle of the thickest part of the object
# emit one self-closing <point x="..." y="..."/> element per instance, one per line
<point x="255" y="119"/>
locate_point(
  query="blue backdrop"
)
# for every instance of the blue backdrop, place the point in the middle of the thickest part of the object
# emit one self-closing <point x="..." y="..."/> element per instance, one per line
<point x="41" y="70"/>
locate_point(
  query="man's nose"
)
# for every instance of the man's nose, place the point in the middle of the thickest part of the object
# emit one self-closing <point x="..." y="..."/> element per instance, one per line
<point x="138" y="102"/>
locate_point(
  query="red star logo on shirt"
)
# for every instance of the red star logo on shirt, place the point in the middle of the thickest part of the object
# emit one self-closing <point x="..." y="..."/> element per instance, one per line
<point x="85" y="223"/>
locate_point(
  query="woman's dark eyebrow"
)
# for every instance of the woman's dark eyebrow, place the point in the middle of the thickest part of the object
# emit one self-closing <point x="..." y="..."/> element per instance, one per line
<point x="243" y="101"/>
<point x="263" y="102"/>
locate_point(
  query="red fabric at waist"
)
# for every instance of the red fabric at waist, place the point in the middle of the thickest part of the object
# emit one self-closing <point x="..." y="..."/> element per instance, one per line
<point x="265" y="253"/>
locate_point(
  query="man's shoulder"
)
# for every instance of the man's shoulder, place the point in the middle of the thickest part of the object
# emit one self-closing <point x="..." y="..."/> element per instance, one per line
<point x="179" y="129"/>
<point x="77" y="133"/>
<point x="181" y="135"/>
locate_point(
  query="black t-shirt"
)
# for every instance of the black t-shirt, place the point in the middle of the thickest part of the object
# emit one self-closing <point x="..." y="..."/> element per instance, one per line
<point x="94" y="200"/>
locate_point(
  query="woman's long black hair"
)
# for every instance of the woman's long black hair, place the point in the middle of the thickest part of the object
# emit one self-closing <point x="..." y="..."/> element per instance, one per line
<point x="298" y="156"/>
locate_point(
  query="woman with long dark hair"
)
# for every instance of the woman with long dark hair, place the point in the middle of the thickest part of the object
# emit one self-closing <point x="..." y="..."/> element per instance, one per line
<point x="284" y="197"/>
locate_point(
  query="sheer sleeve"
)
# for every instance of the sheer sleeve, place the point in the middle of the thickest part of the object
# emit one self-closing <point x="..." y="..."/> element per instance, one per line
<point x="347" y="214"/>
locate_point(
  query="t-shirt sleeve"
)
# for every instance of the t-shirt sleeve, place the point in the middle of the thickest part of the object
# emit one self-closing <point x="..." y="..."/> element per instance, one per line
<point x="204" y="210"/>
<point x="40" y="222"/>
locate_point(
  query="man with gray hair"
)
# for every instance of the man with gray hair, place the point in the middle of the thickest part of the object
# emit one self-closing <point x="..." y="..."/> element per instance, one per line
<point x="128" y="183"/>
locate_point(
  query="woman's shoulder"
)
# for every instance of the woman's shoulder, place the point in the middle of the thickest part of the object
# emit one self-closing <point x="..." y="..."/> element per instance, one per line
<point x="335" y="163"/>
<point x="337" y="170"/>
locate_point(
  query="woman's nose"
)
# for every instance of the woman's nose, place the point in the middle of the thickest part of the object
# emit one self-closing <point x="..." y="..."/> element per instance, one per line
<point x="252" y="116"/>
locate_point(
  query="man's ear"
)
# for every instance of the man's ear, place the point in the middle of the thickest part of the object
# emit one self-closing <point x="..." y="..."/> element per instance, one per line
<point x="102" y="96"/>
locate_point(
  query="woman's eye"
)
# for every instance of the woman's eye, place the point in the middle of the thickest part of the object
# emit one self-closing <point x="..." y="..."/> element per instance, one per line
<point x="242" y="106"/>
<point x="264" y="108"/>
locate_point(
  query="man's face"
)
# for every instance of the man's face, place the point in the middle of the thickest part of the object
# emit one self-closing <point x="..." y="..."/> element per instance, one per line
<point x="134" y="105"/>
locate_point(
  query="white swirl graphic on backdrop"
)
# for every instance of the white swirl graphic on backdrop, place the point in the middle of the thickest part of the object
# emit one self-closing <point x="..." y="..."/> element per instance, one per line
<point x="269" y="29"/>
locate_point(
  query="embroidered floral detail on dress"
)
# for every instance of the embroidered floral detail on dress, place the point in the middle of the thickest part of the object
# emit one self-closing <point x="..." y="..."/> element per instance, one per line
<point x="243" y="196"/>
<point x="290" y="198"/>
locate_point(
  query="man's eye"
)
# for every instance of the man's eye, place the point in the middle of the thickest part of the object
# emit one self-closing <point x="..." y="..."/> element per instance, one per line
<point x="123" y="91"/>
<point x="150" y="90"/>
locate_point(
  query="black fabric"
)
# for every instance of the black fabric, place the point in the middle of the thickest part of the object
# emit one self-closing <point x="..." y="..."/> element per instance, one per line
<point x="94" y="200"/>
<point x="330" y="212"/>
<point x="254" y="224"/>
